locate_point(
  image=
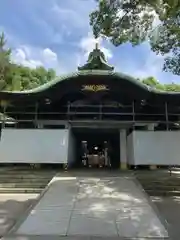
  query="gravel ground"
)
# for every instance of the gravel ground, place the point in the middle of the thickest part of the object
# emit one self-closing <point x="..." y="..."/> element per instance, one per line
<point x="169" y="208"/>
<point x="12" y="206"/>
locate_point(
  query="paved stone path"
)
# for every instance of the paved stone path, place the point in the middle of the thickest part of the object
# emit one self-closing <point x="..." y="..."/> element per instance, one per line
<point x="84" y="206"/>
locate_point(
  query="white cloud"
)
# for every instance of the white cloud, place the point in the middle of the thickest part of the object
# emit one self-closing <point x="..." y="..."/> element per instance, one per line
<point x="146" y="64"/>
<point x="20" y="57"/>
<point x="64" y="14"/>
<point x="72" y="16"/>
<point x="49" y="55"/>
<point x="152" y="66"/>
<point x="33" y="57"/>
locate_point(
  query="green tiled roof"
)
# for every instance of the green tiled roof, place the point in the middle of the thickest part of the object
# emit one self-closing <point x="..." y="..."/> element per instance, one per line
<point x="118" y="76"/>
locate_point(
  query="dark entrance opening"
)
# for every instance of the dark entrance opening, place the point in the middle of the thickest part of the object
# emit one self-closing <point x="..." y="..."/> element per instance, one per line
<point x="96" y="148"/>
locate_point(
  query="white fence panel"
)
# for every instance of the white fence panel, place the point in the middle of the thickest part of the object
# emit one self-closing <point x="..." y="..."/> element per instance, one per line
<point x="34" y="146"/>
<point x="159" y="148"/>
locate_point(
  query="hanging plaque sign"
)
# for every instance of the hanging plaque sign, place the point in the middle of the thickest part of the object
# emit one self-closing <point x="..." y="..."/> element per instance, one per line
<point x="95" y="87"/>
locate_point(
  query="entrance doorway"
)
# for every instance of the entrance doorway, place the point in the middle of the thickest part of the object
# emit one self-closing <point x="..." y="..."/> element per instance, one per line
<point x="96" y="148"/>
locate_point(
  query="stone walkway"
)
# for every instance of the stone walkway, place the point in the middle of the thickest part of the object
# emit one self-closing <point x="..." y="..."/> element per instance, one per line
<point x="83" y="206"/>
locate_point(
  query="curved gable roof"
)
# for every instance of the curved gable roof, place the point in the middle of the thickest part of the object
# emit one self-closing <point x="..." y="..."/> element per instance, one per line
<point x="76" y="75"/>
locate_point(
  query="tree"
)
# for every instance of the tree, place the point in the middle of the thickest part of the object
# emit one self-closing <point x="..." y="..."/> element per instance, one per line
<point x="152" y="82"/>
<point x="51" y="74"/>
<point x="136" y="21"/>
<point x="4" y="62"/>
<point x="14" y="77"/>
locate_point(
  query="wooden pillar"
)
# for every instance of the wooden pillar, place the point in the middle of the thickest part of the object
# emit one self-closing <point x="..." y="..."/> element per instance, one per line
<point x="133" y="112"/>
<point x="36" y="115"/>
<point x="150" y="127"/>
<point x="123" y="150"/>
<point x="166" y="115"/>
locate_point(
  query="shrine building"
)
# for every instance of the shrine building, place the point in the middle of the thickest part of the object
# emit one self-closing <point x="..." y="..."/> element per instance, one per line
<point x="85" y="112"/>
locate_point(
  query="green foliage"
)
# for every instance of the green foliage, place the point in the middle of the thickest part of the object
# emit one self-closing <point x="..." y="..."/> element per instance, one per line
<point x="134" y="21"/>
<point x="15" y="77"/>
<point x="151" y="81"/>
<point x="4" y="61"/>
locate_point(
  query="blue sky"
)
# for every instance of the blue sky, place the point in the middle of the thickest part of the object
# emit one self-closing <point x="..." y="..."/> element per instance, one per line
<point x="56" y="33"/>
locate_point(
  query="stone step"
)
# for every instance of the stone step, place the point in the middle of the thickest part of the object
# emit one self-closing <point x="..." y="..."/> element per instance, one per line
<point x="147" y="188"/>
<point x="26" y="173"/>
<point x="161" y="188"/>
<point x="160" y="183"/>
<point x="26" y="181"/>
<point x="163" y="193"/>
<point x="26" y="170"/>
<point x="23" y="185"/>
<point x="20" y="190"/>
<point x="158" y="179"/>
<point x="27" y="176"/>
<point x="166" y="187"/>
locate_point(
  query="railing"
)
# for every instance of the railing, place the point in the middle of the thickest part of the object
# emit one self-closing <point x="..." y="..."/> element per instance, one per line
<point x="125" y="114"/>
<point x="93" y="115"/>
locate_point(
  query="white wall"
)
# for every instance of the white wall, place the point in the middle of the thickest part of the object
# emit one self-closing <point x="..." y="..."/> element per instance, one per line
<point x="34" y="146"/>
<point x="159" y="147"/>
